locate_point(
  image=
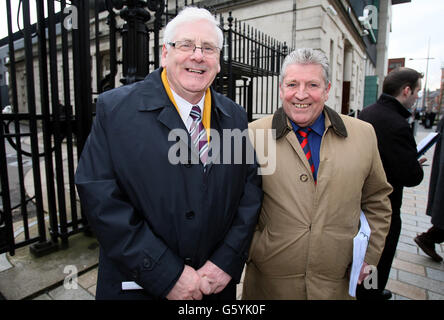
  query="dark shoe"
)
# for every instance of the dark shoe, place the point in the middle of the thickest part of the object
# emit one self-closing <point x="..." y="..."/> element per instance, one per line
<point x="372" y="294"/>
<point x="428" y="249"/>
<point x="386" y="294"/>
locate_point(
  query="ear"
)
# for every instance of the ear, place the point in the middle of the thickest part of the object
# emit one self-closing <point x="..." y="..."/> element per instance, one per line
<point x="327" y="91"/>
<point x="164" y="55"/>
<point x="328" y="87"/>
<point x="406" y="90"/>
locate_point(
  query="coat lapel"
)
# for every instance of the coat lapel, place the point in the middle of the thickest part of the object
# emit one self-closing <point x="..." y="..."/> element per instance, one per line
<point x="294" y="143"/>
<point x="283" y="128"/>
<point x="168" y="116"/>
<point x="172" y="120"/>
<point x="158" y="100"/>
<point x="218" y="123"/>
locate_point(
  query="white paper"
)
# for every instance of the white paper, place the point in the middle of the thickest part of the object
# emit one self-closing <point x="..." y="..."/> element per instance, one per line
<point x="423" y="143"/>
<point x="360" y="243"/>
<point x="130" y="285"/>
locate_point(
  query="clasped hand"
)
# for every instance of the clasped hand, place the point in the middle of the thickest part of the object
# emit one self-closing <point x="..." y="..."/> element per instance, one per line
<point x="193" y="284"/>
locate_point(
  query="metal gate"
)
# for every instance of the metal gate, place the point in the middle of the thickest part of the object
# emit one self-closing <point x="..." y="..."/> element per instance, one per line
<point x="49" y="121"/>
<point x="59" y="65"/>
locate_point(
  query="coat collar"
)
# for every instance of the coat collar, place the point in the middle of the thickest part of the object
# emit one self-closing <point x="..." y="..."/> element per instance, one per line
<point x="153" y="96"/>
<point x="394" y="104"/>
<point x="282" y="126"/>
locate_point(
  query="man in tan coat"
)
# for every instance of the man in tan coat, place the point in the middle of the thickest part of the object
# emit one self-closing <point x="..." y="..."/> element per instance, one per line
<point x="323" y="169"/>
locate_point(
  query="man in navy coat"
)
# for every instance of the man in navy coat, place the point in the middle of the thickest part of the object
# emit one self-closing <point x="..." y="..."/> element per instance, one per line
<point x="177" y="229"/>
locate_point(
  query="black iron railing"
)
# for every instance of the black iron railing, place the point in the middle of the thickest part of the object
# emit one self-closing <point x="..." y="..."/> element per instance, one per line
<point x="52" y="94"/>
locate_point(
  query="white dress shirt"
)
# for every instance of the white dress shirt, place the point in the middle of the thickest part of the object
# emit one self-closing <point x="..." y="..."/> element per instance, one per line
<point x="185" y="108"/>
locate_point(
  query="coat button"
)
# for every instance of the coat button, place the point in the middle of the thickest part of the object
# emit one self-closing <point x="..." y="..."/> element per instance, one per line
<point x="135" y="274"/>
<point x="190" y="215"/>
<point x="188" y="163"/>
<point x="147" y="263"/>
<point x="303" y="177"/>
<point x="188" y="261"/>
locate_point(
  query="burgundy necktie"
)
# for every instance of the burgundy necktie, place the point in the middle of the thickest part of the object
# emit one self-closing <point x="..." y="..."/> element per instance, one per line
<point x="303" y="139"/>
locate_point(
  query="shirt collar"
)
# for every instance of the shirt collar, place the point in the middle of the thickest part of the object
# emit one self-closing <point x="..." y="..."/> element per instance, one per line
<point x="282" y="125"/>
<point x="185" y="107"/>
<point x="318" y="126"/>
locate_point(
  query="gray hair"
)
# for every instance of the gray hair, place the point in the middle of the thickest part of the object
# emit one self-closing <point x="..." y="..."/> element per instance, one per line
<point x="191" y="14"/>
<point x="307" y="56"/>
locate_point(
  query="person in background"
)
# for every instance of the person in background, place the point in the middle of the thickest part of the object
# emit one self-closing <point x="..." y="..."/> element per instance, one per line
<point x="178" y="230"/>
<point x="397" y="148"/>
<point x="435" y="205"/>
<point x="327" y="169"/>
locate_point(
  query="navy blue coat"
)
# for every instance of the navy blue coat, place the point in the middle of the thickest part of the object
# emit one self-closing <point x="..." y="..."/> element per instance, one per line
<point x="152" y="217"/>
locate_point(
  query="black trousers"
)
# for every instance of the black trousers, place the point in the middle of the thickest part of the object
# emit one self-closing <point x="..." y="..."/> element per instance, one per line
<point x="385" y="263"/>
<point x="433" y="235"/>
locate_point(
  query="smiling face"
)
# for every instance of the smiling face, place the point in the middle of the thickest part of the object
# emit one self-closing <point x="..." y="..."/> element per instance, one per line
<point x="190" y="73"/>
<point x="303" y="93"/>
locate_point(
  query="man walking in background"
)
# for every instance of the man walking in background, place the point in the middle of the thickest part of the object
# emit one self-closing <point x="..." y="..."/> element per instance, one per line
<point x="397" y="148"/>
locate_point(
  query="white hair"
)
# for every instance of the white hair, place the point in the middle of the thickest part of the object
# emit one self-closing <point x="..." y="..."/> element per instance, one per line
<point x="307" y="56"/>
<point x="191" y="14"/>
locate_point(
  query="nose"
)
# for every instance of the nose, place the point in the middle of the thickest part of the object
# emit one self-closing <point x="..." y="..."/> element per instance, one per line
<point x="197" y="53"/>
<point x="300" y="93"/>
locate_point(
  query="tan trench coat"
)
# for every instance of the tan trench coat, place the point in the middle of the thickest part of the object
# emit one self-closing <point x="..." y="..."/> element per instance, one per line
<point x="302" y="246"/>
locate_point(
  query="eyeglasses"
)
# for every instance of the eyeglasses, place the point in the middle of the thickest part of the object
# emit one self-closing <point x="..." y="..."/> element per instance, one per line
<point x="207" y="50"/>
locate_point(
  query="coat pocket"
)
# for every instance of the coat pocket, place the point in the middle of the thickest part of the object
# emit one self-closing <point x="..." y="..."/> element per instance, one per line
<point x="279" y="253"/>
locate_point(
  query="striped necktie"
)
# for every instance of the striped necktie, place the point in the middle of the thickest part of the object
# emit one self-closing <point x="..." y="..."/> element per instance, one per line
<point x="199" y="134"/>
<point x="303" y="139"/>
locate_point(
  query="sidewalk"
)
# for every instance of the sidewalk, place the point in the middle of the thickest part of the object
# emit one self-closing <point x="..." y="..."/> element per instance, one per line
<point x="414" y="276"/>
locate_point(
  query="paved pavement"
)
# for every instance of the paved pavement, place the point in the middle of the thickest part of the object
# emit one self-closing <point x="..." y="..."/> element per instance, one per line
<point x="72" y="274"/>
<point x="414" y="275"/>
